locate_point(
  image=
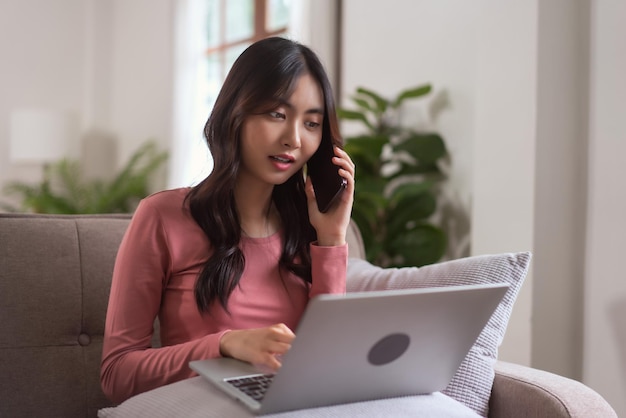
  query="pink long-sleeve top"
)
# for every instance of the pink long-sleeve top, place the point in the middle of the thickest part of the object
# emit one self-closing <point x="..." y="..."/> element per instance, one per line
<point x="156" y="268"/>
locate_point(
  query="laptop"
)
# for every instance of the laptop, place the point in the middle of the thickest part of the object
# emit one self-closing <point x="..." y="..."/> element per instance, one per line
<point x="364" y="346"/>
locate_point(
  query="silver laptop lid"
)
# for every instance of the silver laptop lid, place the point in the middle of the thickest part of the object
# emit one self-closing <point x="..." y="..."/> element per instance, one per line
<point x="372" y="345"/>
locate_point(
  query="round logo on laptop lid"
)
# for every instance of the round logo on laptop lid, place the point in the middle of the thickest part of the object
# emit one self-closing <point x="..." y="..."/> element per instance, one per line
<point x="388" y="349"/>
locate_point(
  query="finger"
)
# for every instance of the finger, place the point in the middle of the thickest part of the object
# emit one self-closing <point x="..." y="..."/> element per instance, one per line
<point x="309" y="190"/>
<point x="281" y="333"/>
<point x="343" y="155"/>
<point x="277" y="347"/>
<point x="270" y="361"/>
<point x="345" y="163"/>
<point x="310" y="194"/>
<point x="284" y="329"/>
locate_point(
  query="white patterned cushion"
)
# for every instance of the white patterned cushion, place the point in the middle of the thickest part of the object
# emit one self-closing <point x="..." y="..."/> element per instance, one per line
<point x="472" y="383"/>
<point x="197" y="398"/>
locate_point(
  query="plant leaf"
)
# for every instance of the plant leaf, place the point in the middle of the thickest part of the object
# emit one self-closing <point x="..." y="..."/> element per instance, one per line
<point x="354" y="115"/>
<point x="365" y="213"/>
<point x="381" y="103"/>
<point x="372" y="185"/>
<point x="364" y="104"/>
<point x="365" y="152"/>
<point x="411" y="94"/>
<point x="409" y="190"/>
<point x="132" y="182"/>
<point x="425" y="148"/>
<point x="432" y="171"/>
<point x="423" y="244"/>
<point x="410" y="208"/>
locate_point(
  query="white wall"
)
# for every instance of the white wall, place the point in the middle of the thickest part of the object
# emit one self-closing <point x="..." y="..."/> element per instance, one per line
<point x="504" y="148"/>
<point x="560" y="185"/>
<point x="604" y="366"/>
<point x="141" y="73"/>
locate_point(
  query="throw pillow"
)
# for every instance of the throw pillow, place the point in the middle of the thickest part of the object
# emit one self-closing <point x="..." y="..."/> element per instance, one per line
<point x="473" y="380"/>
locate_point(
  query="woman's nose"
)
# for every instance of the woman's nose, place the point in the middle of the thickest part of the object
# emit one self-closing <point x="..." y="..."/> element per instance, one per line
<point x="292" y="137"/>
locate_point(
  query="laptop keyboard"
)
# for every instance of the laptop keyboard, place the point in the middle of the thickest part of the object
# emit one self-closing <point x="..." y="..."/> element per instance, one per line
<point x="253" y="386"/>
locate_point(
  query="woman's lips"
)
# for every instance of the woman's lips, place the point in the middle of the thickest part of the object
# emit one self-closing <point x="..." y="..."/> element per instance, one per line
<point x="282" y="162"/>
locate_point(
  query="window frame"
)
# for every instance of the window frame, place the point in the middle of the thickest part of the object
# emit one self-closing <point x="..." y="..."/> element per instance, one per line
<point x="260" y="31"/>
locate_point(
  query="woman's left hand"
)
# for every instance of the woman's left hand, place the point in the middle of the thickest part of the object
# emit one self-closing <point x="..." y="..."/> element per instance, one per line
<point x="332" y="226"/>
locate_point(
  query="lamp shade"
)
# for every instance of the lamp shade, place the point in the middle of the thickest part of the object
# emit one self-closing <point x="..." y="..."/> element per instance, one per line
<point x="40" y="135"/>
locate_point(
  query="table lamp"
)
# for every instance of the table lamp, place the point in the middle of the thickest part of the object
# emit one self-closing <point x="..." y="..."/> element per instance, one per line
<point x="40" y="135"/>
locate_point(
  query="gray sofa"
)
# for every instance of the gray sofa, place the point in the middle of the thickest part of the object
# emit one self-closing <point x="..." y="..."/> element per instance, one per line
<point x="55" y="274"/>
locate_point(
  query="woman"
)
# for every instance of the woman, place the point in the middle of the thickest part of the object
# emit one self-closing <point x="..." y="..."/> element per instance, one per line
<point x="229" y="265"/>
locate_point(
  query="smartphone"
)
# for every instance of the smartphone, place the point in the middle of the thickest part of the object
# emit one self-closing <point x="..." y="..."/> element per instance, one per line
<point x="327" y="182"/>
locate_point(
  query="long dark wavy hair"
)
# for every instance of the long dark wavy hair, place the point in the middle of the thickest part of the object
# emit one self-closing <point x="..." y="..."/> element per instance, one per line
<point x="264" y="73"/>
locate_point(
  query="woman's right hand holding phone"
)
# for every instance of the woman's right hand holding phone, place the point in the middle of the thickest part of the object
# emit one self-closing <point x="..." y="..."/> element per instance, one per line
<point x="332" y="226"/>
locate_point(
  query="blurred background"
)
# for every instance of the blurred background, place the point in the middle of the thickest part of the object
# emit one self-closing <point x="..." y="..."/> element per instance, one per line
<point x="527" y="95"/>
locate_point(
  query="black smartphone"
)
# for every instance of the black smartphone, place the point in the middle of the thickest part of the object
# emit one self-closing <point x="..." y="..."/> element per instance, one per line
<point x="327" y="182"/>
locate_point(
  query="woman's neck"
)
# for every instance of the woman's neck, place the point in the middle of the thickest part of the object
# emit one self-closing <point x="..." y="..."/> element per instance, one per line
<point x="257" y="214"/>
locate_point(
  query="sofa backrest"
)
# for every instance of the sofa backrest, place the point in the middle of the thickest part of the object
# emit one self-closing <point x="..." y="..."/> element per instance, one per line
<point x="55" y="278"/>
<point x="55" y="275"/>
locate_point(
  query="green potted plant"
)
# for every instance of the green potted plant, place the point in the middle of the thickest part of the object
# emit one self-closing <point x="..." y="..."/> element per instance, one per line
<point x="397" y="179"/>
<point x="65" y="191"/>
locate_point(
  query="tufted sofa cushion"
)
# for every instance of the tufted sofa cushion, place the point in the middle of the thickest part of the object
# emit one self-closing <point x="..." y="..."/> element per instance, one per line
<point x="55" y="275"/>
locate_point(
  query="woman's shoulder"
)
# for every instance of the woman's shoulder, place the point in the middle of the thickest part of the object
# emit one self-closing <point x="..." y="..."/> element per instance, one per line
<point x="164" y="196"/>
<point x="167" y="201"/>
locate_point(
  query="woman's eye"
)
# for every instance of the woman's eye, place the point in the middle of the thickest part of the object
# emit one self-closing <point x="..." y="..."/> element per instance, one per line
<point x="312" y="125"/>
<point x="277" y="115"/>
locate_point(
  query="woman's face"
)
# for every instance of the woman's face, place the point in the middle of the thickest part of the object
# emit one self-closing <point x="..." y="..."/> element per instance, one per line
<point x="275" y="145"/>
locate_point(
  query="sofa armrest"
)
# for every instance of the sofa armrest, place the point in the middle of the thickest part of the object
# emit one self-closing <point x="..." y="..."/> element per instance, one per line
<point x="520" y="391"/>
